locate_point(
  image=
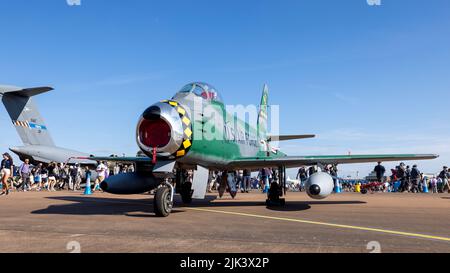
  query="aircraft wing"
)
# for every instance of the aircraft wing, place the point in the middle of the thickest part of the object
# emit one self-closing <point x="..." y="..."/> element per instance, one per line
<point x="297" y="161"/>
<point x="291" y="161"/>
<point x="138" y="159"/>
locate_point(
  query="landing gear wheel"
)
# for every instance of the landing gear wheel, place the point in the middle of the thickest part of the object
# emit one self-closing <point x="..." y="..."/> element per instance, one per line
<point x="274" y="199"/>
<point x="162" y="204"/>
<point x="186" y="192"/>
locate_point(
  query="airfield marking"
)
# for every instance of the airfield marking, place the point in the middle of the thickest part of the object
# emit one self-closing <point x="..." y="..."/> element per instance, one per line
<point x="422" y="236"/>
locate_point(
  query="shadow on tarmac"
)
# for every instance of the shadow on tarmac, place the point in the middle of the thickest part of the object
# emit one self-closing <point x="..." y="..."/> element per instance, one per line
<point x="144" y="207"/>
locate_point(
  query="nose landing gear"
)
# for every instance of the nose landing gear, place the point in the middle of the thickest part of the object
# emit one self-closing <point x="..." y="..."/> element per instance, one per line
<point x="163" y="201"/>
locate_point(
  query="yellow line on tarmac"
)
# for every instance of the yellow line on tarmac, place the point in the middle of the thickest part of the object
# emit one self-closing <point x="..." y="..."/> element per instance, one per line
<point x="416" y="235"/>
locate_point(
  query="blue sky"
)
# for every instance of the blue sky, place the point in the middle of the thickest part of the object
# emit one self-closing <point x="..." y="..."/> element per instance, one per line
<point x="365" y="79"/>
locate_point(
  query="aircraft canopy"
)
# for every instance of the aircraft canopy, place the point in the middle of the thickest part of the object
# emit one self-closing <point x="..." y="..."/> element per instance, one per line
<point x="204" y="90"/>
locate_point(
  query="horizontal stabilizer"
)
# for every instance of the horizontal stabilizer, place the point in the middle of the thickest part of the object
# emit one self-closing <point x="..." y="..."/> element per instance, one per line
<point x="289" y="137"/>
<point x="25" y="115"/>
<point x="23" y="92"/>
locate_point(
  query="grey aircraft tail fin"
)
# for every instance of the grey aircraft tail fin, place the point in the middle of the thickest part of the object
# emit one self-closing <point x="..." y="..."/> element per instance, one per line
<point x="25" y="115"/>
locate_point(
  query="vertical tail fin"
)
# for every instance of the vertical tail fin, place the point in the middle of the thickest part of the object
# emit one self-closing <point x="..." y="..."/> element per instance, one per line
<point x="24" y="114"/>
<point x="262" y="117"/>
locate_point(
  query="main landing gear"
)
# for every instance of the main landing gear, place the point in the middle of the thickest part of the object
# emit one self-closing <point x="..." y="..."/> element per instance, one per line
<point x="277" y="190"/>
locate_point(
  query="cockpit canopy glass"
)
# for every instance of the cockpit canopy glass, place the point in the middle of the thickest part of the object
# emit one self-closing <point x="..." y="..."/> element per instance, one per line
<point x="204" y="90"/>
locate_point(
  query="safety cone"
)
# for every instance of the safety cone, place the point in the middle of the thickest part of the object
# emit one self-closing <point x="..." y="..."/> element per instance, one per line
<point x="425" y="188"/>
<point x="87" y="190"/>
<point x="337" y="187"/>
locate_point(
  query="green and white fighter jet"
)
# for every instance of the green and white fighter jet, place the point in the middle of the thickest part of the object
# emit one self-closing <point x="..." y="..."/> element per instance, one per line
<point x="195" y="131"/>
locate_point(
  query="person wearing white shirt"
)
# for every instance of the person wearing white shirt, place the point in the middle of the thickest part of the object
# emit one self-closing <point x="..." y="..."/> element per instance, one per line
<point x="101" y="171"/>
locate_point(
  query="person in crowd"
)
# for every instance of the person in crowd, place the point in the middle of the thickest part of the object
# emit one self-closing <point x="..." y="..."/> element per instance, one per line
<point x="116" y="169"/>
<point x="36" y="171"/>
<point x="6" y="169"/>
<point x="25" y="172"/>
<point x="401" y="175"/>
<point x="444" y="176"/>
<point x="264" y="176"/>
<point x="76" y="177"/>
<point x="408" y="178"/>
<point x="312" y="170"/>
<point x="416" y="177"/>
<point x="302" y="175"/>
<point x="239" y="177"/>
<point x="380" y="171"/>
<point x="433" y="185"/>
<point x="44" y="177"/>
<point x="64" y="176"/>
<point x="211" y="181"/>
<point x="52" y="176"/>
<point x="101" y="175"/>
<point x="333" y="171"/>
<point x="246" y="180"/>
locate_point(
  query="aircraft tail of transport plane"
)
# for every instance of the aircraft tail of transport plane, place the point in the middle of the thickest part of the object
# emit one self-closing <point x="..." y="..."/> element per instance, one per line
<point x="38" y="143"/>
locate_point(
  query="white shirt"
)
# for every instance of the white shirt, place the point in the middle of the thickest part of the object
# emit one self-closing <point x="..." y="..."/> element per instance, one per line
<point x="101" y="169"/>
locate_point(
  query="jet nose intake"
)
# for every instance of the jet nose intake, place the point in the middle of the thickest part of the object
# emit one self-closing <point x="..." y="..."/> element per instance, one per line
<point x="165" y="128"/>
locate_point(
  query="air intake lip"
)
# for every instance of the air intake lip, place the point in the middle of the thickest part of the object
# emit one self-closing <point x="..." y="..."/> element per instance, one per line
<point x="152" y="113"/>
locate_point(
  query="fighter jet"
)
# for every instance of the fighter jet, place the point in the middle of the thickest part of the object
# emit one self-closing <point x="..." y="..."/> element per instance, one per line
<point x="194" y="131"/>
<point x="38" y="143"/>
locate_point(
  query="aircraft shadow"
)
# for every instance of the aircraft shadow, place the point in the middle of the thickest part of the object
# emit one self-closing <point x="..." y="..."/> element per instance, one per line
<point x="100" y="206"/>
<point x="290" y="205"/>
<point x="144" y="207"/>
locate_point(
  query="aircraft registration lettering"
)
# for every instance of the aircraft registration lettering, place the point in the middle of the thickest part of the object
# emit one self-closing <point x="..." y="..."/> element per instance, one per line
<point x="239" y="136"/>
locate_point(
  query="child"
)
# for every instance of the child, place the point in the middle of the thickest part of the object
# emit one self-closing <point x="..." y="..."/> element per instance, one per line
<point x="433" y="184"/>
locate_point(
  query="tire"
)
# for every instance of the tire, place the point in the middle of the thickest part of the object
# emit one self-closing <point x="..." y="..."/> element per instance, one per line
<point x="186" y="192"/>
<point x="162" y="204"/>
<point x="364" y="191"/>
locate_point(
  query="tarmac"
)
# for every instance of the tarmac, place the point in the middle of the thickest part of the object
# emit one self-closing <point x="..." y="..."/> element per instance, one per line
<point x="62" y="222"/>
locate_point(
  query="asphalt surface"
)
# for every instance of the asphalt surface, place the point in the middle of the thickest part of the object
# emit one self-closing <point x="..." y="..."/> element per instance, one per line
<point x="63" y="222"/>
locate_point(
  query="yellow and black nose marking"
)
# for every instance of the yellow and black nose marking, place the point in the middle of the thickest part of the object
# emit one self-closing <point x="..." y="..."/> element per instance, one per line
<point x="187" y="128"/>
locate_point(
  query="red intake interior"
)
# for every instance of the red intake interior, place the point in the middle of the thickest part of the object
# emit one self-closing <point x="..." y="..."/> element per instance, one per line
<point x="154" y="133"/>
